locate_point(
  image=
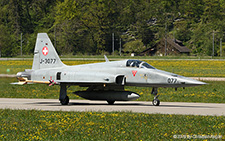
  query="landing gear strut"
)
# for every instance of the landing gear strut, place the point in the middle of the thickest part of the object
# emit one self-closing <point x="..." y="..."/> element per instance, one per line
<point x="155" y="101"/>
<point x="63" y="98"/>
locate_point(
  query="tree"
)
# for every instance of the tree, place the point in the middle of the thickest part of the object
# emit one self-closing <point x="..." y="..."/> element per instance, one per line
<point x="86" y="27"/>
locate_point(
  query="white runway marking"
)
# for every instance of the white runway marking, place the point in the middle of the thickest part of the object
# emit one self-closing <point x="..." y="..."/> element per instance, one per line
<point x="182" y="108"/>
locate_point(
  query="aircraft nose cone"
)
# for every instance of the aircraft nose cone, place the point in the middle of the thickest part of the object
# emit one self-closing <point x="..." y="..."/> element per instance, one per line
<point x="192" y="82"/>
<point x="196" y="83"/>
<point x="133" y="96"/>
<point x="201" y="83"/>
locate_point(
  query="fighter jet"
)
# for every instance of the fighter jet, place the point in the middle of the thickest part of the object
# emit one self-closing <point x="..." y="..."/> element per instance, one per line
<point x="104" y="81"/>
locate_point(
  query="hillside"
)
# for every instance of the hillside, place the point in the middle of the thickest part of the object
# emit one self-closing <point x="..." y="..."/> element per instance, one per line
<point x="88" y="27"/>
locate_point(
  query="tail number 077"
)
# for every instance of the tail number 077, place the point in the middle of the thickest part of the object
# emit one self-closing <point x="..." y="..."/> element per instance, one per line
<point x="171" y="80"/>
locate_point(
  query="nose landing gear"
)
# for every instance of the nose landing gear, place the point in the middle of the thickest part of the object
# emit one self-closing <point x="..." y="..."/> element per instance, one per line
<point x="155" y="101"/>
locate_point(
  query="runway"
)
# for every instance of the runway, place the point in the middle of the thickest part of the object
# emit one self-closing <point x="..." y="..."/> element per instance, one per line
<point x="182" y="108"/>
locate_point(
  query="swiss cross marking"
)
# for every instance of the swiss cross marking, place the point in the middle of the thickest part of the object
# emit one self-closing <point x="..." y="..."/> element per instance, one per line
<point x="134" y="72"/>
<point x="45" y="51"/>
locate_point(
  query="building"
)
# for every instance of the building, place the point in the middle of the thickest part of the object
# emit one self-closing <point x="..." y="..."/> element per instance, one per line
<point x="173" y="47"/>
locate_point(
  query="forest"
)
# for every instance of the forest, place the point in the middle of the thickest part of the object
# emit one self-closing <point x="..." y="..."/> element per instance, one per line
<point x="91" y="27"/>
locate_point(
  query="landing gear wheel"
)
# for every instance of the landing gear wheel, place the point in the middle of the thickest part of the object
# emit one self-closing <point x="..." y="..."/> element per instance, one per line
<point x="110" y="102"/>
<point x="156" y="102"/>
<point x="65" y="101"/>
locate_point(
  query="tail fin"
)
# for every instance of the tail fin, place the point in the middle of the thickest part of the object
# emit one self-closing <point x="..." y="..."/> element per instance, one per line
<point x="45" y="55"/>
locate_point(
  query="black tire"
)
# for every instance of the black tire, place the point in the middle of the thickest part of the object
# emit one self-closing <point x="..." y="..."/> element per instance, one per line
<point x="65" y="101"/>
<point x="110" y="102"/>
<point x="156" y="102"/>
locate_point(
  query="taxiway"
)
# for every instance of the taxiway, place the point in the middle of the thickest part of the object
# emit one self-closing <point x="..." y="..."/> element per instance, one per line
<point x="182" y="108"/>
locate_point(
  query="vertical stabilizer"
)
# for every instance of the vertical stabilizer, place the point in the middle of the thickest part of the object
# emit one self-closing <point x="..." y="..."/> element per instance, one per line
<point x="45" y="55"/>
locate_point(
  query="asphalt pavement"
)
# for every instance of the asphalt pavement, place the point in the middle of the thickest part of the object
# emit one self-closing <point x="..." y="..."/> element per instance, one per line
<point x="179" y="108"/>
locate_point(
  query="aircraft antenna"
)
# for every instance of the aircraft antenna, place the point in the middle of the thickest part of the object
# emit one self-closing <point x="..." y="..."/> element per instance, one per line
<point x="106" y="59"/>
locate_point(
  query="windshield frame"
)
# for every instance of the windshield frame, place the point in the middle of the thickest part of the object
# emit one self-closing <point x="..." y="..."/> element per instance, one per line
<point x="146" y="66"/>
<point x="138" y="64"/>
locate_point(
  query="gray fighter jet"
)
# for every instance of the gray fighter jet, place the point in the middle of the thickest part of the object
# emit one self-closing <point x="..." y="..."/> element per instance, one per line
<point x="105" y="81"/>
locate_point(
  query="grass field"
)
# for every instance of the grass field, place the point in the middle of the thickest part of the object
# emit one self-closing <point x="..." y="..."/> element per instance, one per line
<point x="43" y="125"/>
<point x="214" y="92"/>
<point x="209" y="68"/>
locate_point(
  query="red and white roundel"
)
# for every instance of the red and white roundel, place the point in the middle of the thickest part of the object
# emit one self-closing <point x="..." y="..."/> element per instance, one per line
<point x="45" y="51"/>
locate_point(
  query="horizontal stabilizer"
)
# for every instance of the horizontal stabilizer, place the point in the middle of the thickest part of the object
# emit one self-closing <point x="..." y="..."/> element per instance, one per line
<point x="18" y="83"/>
<point x="23" y="81"/>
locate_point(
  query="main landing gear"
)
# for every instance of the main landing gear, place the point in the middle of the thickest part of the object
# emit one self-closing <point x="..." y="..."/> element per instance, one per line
<point x="63" y="98"/>
<point x="155" y="101"/>
<point x="110" y="102"/>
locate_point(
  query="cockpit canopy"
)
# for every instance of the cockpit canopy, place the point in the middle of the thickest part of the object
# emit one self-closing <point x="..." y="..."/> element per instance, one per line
<point x="138" y="64"/>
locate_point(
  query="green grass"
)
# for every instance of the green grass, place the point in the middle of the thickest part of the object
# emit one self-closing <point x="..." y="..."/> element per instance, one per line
<point x="45" y="125"/>
<point x="214" y="92"/>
